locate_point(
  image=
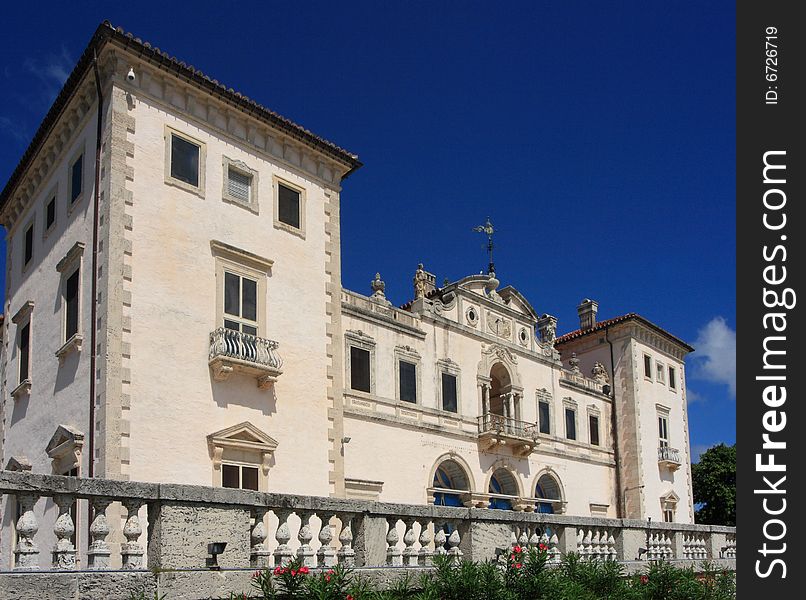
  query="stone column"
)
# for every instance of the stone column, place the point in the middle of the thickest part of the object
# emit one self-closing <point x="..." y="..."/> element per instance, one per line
<point x="132" y="551"/>
<point x="259" y="555"/>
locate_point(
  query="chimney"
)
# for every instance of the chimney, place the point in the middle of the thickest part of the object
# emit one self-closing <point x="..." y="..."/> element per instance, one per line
<point x="587" y="310"/>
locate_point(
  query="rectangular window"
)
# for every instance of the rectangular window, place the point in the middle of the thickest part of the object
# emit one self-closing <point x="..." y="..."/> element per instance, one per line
<point x="663" y="431"/>
<point x="408" y="381"/>
<point x="668" y="516"/>
<point x="544" y="416"/>
<point x="25" y="351"/>
<point x="647" y="366"/>
<point x="593" y="425"/>
<point x="29" y="245"/>
<point x="76" y="178"/>
<point x="239" y="477"/>
<point x="570" y="424"/>
<point x="288" y="205"/>
<point x="661" y="372"/>
<point x="71" y="305"/>
<point x="359" y="369"/>
<point x="185" y="160"/>
<point x="50" y="214"/>
<point x="239" y="185"/>
<point x="240" y="303"/>
<point x="672" y="378"/>
<point x="449" y="398"/>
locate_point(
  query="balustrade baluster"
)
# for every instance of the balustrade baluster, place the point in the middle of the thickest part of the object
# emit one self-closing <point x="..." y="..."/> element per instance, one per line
<point x="64" y="552"/>
<point x="259" y="555"/>
<point x="131" y="551"/>
<point x="453" y="544"/>
<point x="305" y="552"/>
<point x="326" y="555"/>
<point x="596" y="546"/>
<point x="410" y="555"/>
<point x="534" y="539"/>
<point x="27" y="552"/>
<point x="440" y="540"/>
<point x="554" y="551"/>
<point x="611" y="542"/>
<point x="346" y="554"/>
<point x="523" y="538"/>
<point x="425" y="554"/>
<point x="283" y="553"/>
<point x="394" y="556"/>
<point x="99" y="552"/>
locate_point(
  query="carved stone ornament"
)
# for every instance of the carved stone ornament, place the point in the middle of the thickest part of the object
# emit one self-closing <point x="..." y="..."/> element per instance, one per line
<point x="499" y="325"/>
<point x="599" y="373"/>
<point x="573" y="362"/>
<point x="547" y="326"/>
<point x="491" y="286"/>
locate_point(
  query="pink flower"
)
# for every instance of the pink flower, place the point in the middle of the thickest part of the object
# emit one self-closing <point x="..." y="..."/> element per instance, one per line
<point x="517" y="549"/>
<point x="518" y="565"/>
<point x="349" y="597"/>
<point x="279" y="570"/>
<point x="543" y="546"/>
<point x="293" y="573"/>
<point x="644" y="579"/>
<point x="303" y="571"/>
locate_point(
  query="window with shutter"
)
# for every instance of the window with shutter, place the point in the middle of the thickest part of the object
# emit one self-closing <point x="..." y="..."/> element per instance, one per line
<point x="239" y="184"/>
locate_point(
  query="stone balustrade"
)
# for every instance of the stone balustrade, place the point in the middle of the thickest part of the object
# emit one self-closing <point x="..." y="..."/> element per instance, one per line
<point x="579" y="381"/>
<point x="182" y="520"/>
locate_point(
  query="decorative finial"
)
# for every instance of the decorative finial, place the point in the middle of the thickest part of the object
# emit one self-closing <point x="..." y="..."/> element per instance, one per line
<point x="489" y="230"/>
<point x="378" y="287"/>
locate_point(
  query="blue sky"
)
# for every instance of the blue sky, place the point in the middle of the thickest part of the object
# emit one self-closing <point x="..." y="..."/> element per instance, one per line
<point x="598" y="137"/>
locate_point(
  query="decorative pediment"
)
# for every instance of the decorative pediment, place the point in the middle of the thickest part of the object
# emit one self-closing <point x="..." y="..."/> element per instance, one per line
<point x="18" y="463"/>
<point x="516" y="301"/>
<point x="64" y="448"/>
<point x="245" y="437"/>
<point x="669" y="500"/>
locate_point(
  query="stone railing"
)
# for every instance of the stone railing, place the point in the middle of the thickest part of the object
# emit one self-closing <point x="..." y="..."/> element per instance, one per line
<point x="265" y="530"/>
<point x="241" y="352"/>
<point x="497" y="430"/>
<point x="578" y="380"/>
<point x="669" y="457"/>
<point x="368" y="306"/>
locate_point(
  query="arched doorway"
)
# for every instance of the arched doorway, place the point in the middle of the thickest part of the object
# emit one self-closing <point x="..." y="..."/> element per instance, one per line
<point x="449" y="475"/>
<point x="548" y="492"/>
<point x="502" y="483"/>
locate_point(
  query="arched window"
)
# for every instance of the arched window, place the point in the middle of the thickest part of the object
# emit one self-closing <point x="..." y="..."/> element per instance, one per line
<point x="547" y="489"/>
<point x="450" y="476"/>
<point x="502" y="483"/>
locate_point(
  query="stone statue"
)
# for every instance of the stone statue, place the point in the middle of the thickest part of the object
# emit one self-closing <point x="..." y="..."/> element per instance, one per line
<point x="419" y="282"/>
<point x="599" y="373"/>
<point x="573" y="362"/>
<point x="378" y="288"/>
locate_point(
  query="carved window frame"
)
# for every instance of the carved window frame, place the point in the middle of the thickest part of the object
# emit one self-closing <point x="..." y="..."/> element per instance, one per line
<point x="448" y="367"/>
<point x="72" y="262"/>
<point x="53" y="194"/>
<point x="410" y="356"/>
<point x="359" y="339"/>
<point x="672" y="378"/>
<point x="660" y="372"/>
<point x="168" y="134"/>
<point x="593" y="411"/>
<point x="30" y="226"/>
<point x="24" y="316"/>
<point x="543" y="396"/>
<point x="228" y="450"/>
<point x="278" y="224"/>
<point x="650" y="377"/>
<point x="241" y="167"/>
<point x="244" y="264"/>
<point x="573" y="406"/>
<point x="79" y="152"/>
<point x="663" y="412"/>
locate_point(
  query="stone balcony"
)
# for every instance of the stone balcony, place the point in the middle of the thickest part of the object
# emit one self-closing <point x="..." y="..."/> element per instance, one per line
<point x="669" y="457"/>
<point x="496" y="431"/>
<point x="237" y="352"/>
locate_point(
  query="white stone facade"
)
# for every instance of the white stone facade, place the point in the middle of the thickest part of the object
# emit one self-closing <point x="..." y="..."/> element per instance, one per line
<point x="179" y="398"/>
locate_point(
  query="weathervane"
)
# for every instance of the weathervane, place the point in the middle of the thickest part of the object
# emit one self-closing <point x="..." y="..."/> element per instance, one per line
<point x="488" y="229"/>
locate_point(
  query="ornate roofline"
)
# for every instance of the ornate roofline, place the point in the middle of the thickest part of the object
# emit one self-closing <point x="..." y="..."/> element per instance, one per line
<point x="105" y="34"/>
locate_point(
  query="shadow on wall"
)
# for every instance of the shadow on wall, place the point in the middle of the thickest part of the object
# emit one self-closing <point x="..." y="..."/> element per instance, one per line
<point x="242" y="390"/>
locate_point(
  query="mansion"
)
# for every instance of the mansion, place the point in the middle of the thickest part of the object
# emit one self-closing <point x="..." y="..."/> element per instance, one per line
<point x="174" y="313"/>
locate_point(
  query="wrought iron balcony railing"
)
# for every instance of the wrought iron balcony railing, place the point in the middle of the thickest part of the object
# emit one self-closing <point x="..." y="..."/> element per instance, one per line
<point x="234" y="351"/>
<point x="669" y="457"/>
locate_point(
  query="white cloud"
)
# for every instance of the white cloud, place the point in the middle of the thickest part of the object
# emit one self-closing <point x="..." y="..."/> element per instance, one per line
<point x="693" y="396"/>
<point x="52" y="72"/>
<point x="715" y="358"/>
<point x="697" y="450"/>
